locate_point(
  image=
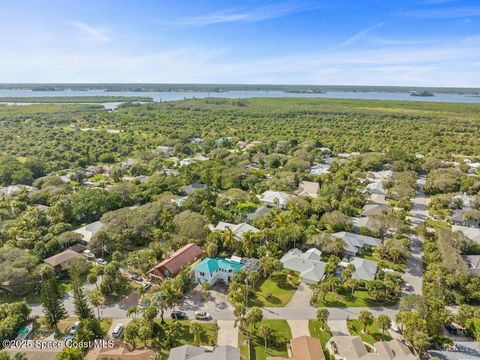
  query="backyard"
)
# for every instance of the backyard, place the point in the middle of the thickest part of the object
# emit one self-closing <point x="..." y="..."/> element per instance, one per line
<point x="278" y="329"/>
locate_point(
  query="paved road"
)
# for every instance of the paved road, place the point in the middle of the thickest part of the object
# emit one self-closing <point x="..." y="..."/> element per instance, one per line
<point x="414" y="270"/>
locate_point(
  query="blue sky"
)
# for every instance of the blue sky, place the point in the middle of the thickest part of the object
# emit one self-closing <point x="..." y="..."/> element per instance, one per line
<point x="352" y="42"/>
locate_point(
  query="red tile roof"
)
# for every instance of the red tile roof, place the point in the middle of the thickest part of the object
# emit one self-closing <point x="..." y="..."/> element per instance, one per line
<point x="171" y="266"/>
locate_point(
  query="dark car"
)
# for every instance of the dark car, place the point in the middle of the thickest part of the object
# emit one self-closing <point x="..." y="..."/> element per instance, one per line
<point x="451" y="329"/>
<point x="179" y="315"/>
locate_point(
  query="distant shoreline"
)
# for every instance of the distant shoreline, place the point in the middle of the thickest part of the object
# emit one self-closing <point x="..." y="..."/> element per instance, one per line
<point x="219" y="88"/>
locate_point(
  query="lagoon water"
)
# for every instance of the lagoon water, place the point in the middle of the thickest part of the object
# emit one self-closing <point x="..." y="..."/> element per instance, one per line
<point x="181" y="95"/>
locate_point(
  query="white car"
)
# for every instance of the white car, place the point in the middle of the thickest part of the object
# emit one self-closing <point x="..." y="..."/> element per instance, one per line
<point x="146" y="285"/>
<point x="202" y="315"/>
<point x="102" y="261"/>
<point x="88" y="254"/>
<point x="117" y="331"/>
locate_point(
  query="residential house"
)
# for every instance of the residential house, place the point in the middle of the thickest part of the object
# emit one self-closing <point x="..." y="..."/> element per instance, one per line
<point x="303" y="348"/>
<point x="378" y="199"/>
<point x="127" y="164"/>
<point x="308" y="264"/>
<point x="348" y="155"/>
<point x="189" y="352"/>
<point x="186" y="162"/>
<point x="238" y="230"/>
<point x="469" y="232"/>
<point x="212" y="270"/>
<point x="257" y="213"/>
<point x="356" y="242"/>
<point x="353" y="348"/>
<point x="171" y="266"/>
<point x="376" y="209"/>
<point x="376" y="187"/>
<point x="59" y="260"/>
<point x="88" y="231"/>
<point x="308" y="188"/>
<point x="275" y="198"/>
<point x="379" y="175"/>
<point x="190" y="189"/>
<point x="14" y="190"/>
<point x="473" y="263"/>
<point x="165" y="150"/>
<point x="364" y="222"/>
<point x="364" y="269"/>
<point x="120" y="353"/>
<point x="320" y="169"/>
<point x="463" y="217"/>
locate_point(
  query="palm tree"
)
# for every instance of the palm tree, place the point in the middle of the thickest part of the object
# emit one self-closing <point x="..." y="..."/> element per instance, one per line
<point x="366" y="319"/>
<point x="248" y="246"/>
<point x="97" y="299"/>
<point x="196" y="330"/>
<point x="228" y="239"/>
<point x="322" y="316"/>
<point x="265" y="332"/>
<point x="384" y="323"/>
<point x="132" y="311"/>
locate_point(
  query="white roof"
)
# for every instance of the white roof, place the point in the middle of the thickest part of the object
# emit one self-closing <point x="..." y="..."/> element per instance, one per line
<point x="376" y="187"/>
<point x="88" y="231"/>
<point x="364" y="269"/>
<point x="380" y="175"/>
<point x="308" y="264"/>
<point x="320" y="169"/>
<point x="238" y="230"/>
<point x="14" y="190"/>
<point x="270" y="197"/>
<point x="355" y="242"/>
<point x="469" y="232"/>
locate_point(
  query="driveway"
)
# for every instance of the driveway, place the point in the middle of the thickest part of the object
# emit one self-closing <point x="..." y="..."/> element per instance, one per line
<point x="301" y="298"/>
<point x="227" y="333"/>
<point x="299" y="328"/>
<point x="216" y="304"/>
<point x="338" y="327"/>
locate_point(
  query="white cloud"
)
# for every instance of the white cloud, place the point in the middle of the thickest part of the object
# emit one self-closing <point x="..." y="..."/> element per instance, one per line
<point x="358" y="36"/>
<point x="92" y="33"/>
<point x="245" y="15"/>
<point x="444" y="13"/>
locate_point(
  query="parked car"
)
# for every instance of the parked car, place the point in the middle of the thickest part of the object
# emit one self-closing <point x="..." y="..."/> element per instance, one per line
<point x="102" y="261"/>
<point x="136" y="277"/>
<point x="179" y="315"/>
<point x="394" y="327"/>
<point x="451" y="329"/>
<point x="69" y="338"/>
<point x="88" y="254"/>
<point x="408" y="287"/>
<point x="202" y="315"/>
<point x="117" y="331"/>
<point x="146" y="285"/>
<point x="74" y="328"/>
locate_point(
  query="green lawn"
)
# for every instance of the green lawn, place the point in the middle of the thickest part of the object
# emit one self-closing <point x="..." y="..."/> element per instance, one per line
<point x="344" y="298"/>
<point x="322" y="335"/>
<point x="183" y="336"/>
<point x="257" y="343"/>
<point x="281" y="285"/>
<point x="373" y="334"/>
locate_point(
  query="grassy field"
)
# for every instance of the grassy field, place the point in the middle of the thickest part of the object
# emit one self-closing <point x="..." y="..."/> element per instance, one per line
<point x="322" y="335"/>
<point x="343" y="298"/>
<point x="281" y="286"/>
<point x="373" y="334"/>
<point x="257" y="343"/>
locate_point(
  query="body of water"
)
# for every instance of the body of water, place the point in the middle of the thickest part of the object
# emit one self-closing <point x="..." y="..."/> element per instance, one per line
<point x="181" y="95"/>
